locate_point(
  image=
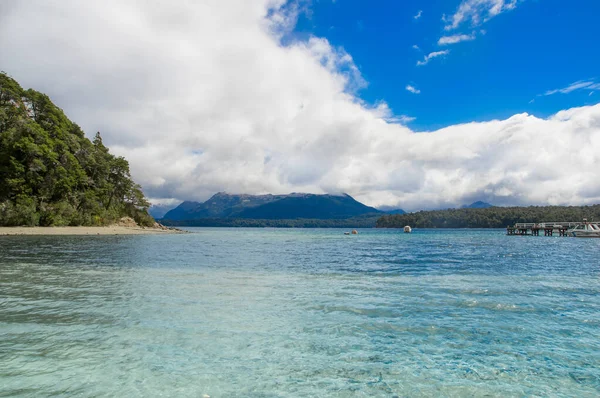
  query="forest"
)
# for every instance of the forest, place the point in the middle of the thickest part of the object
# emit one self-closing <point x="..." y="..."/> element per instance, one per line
<point x="492" y="217"/>
<point x="367" y="221"/>
<point x="52" y="175"/>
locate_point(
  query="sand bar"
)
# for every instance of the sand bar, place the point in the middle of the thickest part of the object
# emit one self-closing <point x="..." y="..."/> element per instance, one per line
<point x="109" y="230"/>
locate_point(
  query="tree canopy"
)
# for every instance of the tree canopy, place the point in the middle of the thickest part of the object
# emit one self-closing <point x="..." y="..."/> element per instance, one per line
<point x="51" y="174"/>
<point x="366" y="221"/>
<point x="493" y="217"/>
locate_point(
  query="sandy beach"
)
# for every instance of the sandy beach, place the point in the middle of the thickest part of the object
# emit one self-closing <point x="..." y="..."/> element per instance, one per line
<point x="109" y="230"/>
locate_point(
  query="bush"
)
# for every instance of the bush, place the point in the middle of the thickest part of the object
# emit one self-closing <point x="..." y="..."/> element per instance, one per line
<point x="20" y="213"/>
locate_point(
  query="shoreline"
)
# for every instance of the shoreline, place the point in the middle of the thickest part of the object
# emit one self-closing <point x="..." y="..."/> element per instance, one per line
<point x="82" y="230"/>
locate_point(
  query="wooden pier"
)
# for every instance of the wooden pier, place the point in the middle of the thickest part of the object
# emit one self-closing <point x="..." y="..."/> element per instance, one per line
<point x="533" y="229"/>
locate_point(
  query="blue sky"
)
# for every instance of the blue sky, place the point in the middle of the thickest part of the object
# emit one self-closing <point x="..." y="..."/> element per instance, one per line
<point x="537" y="46"/>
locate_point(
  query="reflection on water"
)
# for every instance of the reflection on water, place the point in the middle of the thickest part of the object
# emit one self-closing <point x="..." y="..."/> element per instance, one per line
<point x="289" y="313"/>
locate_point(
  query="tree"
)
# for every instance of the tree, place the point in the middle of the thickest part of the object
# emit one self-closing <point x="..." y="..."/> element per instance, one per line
<point x="51" y="174"/>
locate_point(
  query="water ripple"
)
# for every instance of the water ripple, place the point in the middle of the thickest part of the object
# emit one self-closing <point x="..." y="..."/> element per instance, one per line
<point x="295" y="313"/>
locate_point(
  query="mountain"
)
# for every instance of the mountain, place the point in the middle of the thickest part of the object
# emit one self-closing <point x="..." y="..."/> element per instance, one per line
<point x="272" y="207"/>
<point x="478" y="205"/>
<point x="391" y="210"/>
<point x="394" y="211"/>
<point x="51" y="174"/>
<point x="220" y="205"/>
<point x="159" y="211"/>
<point x="309" y="206"/>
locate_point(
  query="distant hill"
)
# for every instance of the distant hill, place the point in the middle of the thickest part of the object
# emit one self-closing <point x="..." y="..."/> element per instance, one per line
<point x="394" y="211"/>
<point x="478" y="205"/>
<point x="159" y="211"/>
<point x="272" y="207"/>
<point x="366" y="221"/>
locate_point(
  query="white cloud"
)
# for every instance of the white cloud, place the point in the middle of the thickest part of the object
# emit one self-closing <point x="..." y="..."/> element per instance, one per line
<point x="418" y="15"/>
<point x="405" y="119"/>
<point x="445" y="40"/>
<point x="201" y="99"/>
<point x="415" y="47"/>
<point x="477" y="12"/>
<point x="579" y="85"/>
<point x="432" y="55"/>
<point x="412" y="89"/>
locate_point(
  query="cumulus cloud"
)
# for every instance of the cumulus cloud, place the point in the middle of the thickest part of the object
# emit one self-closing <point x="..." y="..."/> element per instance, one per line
<point x="432" y="55"/>
<point x="445" y="40"/>
<point x="210" y="96"/>
<point x="412" y="89"/>
<point x="579" y="85"/>
<point x="477" y="12"/>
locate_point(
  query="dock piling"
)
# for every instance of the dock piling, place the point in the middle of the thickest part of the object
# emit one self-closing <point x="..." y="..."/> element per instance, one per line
<point x="533" y="229"/>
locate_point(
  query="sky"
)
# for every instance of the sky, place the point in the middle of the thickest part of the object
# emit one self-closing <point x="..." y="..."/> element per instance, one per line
<point x="412" y="104"/>
<point x="500" y="62"/>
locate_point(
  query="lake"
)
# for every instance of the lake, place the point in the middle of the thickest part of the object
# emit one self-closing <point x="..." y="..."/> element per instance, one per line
<point x="300" y="313"/>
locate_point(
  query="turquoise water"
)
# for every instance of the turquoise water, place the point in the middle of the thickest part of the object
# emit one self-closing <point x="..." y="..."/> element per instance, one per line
<point x="300" y="313"/>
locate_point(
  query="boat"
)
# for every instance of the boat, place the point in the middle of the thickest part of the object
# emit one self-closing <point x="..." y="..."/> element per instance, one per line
<point x="585" y="230"/>
<point x="407" y="229"/>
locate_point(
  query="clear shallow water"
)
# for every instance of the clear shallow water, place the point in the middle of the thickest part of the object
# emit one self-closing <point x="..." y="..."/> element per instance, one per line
<point x="298" y="313"/>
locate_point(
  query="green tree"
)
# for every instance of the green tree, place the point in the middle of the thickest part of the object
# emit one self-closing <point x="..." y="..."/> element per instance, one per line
<point x="51" y="174"/>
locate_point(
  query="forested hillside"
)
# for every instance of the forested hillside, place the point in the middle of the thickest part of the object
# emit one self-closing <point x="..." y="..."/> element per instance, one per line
<point x="492" y="217"/>
<point x="366" y="221"/>
<point x="51" y="174"/>
<point x="271" y="207"/>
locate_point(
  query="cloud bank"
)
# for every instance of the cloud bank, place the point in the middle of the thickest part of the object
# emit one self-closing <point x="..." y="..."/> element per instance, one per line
<point x="205" y="97"/>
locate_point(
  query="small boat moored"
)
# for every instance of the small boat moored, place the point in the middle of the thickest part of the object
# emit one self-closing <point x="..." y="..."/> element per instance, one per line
<point x="585" y="230"/>
<point x="407" y="229"/>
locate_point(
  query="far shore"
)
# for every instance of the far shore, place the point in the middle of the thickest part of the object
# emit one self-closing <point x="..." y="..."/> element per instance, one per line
<point x="108" y="230"/>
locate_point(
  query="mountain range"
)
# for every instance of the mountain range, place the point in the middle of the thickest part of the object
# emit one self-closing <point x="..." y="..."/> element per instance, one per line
<point x="295" y="209"/>
<point x="272" y="207"/>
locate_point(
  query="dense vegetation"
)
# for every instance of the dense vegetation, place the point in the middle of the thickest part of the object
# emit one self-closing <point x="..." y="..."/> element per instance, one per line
<point x="366" y="221"/>
<point x="493" y="217"/>
<point x="51" y="174"/>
